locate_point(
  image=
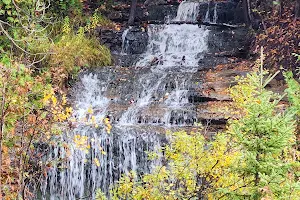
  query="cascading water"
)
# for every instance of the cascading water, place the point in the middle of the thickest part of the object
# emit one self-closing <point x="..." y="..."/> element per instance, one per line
<point x="187" y="11"/>
<point x="208" y="14"/>
<point x="175" y="46"/>
<point x="159" y="100"/>
<point x="215" y="14"/>
<point x="124" y="42"/>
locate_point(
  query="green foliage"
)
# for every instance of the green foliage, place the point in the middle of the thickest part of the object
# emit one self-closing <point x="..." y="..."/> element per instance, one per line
<point x="293" y="92"/>
<point x="56" y="48"/>
<point x="265" y="136"/>
<point x="100" y="195"/>
<point x="70" y="52"/>
<point x="40" y="49"/>
<point x="63" y="8"/>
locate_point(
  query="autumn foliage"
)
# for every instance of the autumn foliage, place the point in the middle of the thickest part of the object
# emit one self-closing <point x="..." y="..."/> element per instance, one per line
<point x="280" y="36"/>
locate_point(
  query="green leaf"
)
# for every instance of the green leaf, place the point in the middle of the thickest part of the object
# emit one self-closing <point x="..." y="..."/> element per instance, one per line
<point x="7" y="2"/>
<point x="10" y="19"/>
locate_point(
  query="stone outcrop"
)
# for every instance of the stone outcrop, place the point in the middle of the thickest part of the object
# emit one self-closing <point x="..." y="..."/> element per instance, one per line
<point x="228" y="46"/>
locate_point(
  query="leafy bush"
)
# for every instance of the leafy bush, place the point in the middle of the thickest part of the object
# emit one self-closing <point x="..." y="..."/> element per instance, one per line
<point x="196" y="168"/>
<point x="75" y="50"/>
<point x="70" y="52"/>
<point x="29" y="111"/>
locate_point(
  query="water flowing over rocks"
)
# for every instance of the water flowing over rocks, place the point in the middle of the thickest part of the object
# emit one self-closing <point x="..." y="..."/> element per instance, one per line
<point x="168" y="76"/>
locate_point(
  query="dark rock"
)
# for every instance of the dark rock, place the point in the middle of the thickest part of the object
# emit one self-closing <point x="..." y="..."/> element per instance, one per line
<point x="136" y="41"/>
<point x="227" y="12"/>
<point x="230" y="42"/>
<point x="122" y="16"/>
<point x="208" y="61"/>
<point x="125" y="60"/>
<point x="160" y="2"/>
<point x="110" y="38"/>
<point x="154" y="2"/>
<point x="160" y="12"/>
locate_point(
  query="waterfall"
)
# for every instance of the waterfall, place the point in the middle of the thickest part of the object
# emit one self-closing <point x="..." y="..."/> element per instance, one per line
<point x="124" y="42"/>
<point x="215" y="14"/>
<point x="187" y="11"/>
<point x="175" y="45"/>
<point x="158" y="100"/>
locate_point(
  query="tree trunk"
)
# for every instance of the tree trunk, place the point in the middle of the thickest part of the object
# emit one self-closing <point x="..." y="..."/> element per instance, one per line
<point x="246" y="7"/>
<point x="297" y="9"/>
<point x="132" y="12"/>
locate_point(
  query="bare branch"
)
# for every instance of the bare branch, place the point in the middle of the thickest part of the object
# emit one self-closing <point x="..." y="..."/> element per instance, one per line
<point x="14" y="42"/>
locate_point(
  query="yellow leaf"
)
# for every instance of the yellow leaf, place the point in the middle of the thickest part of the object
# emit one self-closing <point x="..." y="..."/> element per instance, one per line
<point x="90" y="110"/>
<point x="97" y="162"/>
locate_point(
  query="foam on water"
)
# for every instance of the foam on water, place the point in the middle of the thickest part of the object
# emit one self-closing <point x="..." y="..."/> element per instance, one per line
<point x="175" y="46"/>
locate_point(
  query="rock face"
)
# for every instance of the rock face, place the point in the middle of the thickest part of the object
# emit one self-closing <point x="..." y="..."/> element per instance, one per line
<point x="228" y="12"/>
<point x="224" y="41"/>
<point x="112" y="39"/>
<point x="161" y="12"/>
<point x="230" y="42"/>
<point x="228" y="45"/>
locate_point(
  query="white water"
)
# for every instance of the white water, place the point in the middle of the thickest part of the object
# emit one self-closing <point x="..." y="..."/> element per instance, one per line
<point x="163" y="88"/>
<point x="124" y="42"/>
<point x="170" y="43"/>
<point x="215" y="16"/>
<point x="187" y="11"/>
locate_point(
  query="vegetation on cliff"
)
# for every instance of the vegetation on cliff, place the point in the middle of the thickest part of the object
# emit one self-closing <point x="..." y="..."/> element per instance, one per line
<point x="43" y="45"/>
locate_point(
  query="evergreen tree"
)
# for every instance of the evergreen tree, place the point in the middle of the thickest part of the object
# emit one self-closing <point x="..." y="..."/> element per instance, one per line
<point x="265" y="135"/>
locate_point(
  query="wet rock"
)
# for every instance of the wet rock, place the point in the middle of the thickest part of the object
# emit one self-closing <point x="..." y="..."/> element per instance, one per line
<point x="125" y="60"/>
<point x="210" y="60"/>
